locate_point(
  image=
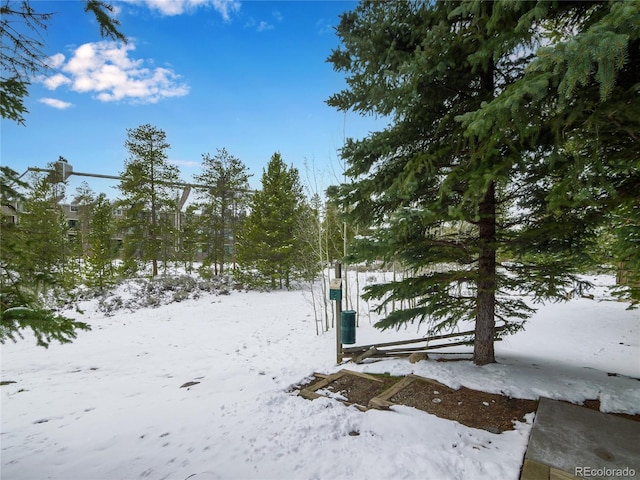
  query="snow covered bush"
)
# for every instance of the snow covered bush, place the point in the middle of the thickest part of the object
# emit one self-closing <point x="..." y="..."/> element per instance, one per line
<point x="137" y="293"/>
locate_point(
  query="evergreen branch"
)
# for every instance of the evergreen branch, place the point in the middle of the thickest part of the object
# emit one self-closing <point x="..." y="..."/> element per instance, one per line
<point x="108" y="24"/>
<point x="45" y="325"/>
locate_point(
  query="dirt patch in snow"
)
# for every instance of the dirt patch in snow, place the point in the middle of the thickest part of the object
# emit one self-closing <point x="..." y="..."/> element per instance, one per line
<point x="474" y="408"/>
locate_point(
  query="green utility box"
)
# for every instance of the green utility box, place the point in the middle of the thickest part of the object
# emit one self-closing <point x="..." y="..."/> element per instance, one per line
<point x="348" y="326"/>
<point x="335" y="289"/>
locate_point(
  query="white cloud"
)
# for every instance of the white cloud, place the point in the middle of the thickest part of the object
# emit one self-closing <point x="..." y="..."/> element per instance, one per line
<point x="177" y="7"/>
<point x="226" y="7"/>
<point x="55" y="81"/>
<point x="263" y="26"/>
<point x="106" y="69"/>
<point x="55" y="103"/>
<point x="56" y="60"/>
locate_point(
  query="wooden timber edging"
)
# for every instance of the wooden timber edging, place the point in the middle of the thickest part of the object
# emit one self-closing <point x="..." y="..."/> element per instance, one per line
<point x="539" y="471"/>
<point x="310" y="393"/>
<point x="383" y="402"/>
<point x="360" y="353"/>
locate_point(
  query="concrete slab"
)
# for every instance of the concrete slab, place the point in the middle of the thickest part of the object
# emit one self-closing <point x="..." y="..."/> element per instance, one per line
<point x="583" y="442"/>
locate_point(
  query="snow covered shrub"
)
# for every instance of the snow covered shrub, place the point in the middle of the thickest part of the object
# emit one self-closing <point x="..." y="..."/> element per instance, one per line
<point x="137" y="293"/>
<point x="109" y="305"/>
<point x="181" y="295"/>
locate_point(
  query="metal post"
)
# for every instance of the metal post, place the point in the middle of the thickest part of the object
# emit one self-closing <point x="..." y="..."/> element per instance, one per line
<point x="338" y="322"/>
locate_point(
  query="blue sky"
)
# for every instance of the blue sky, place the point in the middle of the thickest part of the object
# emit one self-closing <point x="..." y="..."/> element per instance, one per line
<point x="248" y="76"/>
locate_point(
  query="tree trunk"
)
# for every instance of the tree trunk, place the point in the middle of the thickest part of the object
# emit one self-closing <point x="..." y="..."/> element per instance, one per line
<point x="483" y="352"/>
<point x="223" y="224"/>
<point x="153" y="233"/>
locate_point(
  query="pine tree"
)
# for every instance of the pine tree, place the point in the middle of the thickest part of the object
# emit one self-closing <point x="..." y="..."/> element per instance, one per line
<point x="190" y="235"/>
<point x="269" y="242"/>
<point x="148" y="201"/>
<point x="84" y="199"/>
<point x="47" y="248"/>
<point x="169" y="236"/>
<point x="589" y="114"/>
<point x="474" y="168"/>
<point x="222" y="205"/>
<point x="12" y="241"/>
<point x="102" y="246"/>
<point x="626" y="250"/>
<point x="34" y="273"/>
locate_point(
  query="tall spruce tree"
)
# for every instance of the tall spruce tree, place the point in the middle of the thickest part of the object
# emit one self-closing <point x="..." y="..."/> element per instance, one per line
<point x="84" y="199"/>
<point x="147" y="188"/>
<point x="190" y="235"/>
<point x="626" y="248"/>
<point x="581" y="92"/>
<point x="12" y="242"/>
<point x="222" y="205"/>
<point x="47" y="248"/>
<point x="102" y="245"/>
<point x="476" y="166"/>
<point x="34" y="274"/>
<point x="269" y="242"/>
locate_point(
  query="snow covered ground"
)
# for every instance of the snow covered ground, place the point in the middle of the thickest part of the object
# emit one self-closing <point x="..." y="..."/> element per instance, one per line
<point x="110" y="405"/>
